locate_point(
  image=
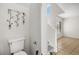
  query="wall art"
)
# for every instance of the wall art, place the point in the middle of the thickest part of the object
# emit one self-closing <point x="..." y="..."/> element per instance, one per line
<point x="15" y="17"/>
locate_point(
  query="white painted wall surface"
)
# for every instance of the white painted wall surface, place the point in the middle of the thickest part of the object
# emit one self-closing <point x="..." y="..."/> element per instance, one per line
<point x="15" y="32"/>
<point x="71" y="27"/>
<point x="35" y="27"/>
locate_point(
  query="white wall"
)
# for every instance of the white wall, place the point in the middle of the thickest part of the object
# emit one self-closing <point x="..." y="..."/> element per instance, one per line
<point x="71" y="27"/>
<point x="35" y="27"/>
<point x="15" y="32"/>
<point x="71" y="19"/>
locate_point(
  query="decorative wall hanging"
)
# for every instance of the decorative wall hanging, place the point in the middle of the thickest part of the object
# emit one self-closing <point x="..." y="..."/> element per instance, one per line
<point x="15" y="17"/>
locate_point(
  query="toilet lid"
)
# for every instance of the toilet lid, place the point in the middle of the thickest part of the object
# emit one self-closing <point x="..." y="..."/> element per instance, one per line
<point x="20" y="53"/>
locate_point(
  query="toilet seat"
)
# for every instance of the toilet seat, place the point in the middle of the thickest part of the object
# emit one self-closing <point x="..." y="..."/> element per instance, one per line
<point x="20" y="53"/>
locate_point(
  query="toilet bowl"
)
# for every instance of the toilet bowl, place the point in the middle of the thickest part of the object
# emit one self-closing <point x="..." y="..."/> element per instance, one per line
<point x="20" y="53"/>
<point x="17" y="46"/>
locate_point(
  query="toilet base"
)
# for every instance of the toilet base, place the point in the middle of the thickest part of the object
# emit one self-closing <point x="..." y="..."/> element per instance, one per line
<point x="20" y="53"/>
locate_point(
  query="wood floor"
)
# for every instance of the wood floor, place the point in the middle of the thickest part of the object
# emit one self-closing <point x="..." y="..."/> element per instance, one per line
<point x="68" y="46"/>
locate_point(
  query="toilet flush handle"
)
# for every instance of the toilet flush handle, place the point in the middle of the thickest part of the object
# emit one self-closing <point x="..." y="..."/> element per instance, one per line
<point x="35" y="43"/>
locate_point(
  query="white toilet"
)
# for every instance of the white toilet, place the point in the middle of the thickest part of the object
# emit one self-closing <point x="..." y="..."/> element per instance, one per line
<point x="17" y="47"/>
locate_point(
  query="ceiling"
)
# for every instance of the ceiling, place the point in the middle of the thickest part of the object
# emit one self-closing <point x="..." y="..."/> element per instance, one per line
<point x="70" y="9"/>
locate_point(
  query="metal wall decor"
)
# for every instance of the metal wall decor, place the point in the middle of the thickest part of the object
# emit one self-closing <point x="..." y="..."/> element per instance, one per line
<point x="15" y="17"/>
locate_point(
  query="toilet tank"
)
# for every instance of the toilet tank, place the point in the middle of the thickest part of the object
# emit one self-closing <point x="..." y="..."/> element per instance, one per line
<point x="16" y="45"/>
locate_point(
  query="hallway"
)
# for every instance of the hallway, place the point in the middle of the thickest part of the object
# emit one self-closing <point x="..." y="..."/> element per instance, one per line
<point x="68" y="46"/>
